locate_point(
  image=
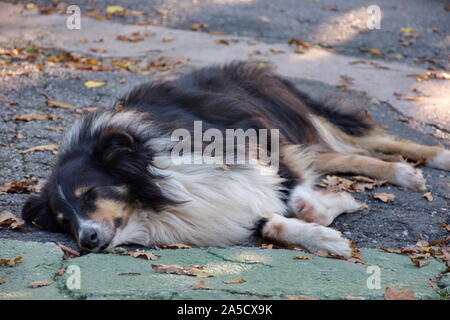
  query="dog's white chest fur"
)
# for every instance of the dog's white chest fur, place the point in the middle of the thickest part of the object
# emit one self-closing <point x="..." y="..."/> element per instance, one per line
<point x="223" y="205"/>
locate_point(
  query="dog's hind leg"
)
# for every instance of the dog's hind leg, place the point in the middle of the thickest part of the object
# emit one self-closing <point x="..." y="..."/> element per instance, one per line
<point x="308" y="204"/>
<point x="321" y="207"/>
<point x="311" y="236"/>
<point x="399" y="173"/>
<point x="434" y="157"/>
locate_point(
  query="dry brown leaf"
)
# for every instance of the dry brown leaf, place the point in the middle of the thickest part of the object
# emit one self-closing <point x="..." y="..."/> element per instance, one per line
<point x="298" y="42"/>
<point x="68" y="253"/>
<point x="199" y="27"/>
<point x="428" y="196"/>
<point x="385" y="197"/>
<point x="52" y="103"/>
<point x="201" y="286"/>
<point x="235" y="280"/>
<point x="38" y="284"/>
<point x="10" y="262"/>
<point x="2" y="281"/>
<point x="401" y="294"/>
<point x="222" y="41"/>
<point x="329" y="255"/>
<point x="182" y="270"/>
<point x="16" y="187"/>
<point x="300" y="297"/>
<point x="60" y="272"/>
<point x="57" y="129"/>
<point x="7" y="101"/>
<point x="445" y="226"/>
<point x="302" y="257"/>
<point x="176" y="246"/>
<point x="30" y="117"/>
<point x="10" y="221"/>
<point x="48" y="147"/>
<point x="134" y="37"/>
<point x="418" y="263"/>
<point x="144" y="255"/>
<point x="391" y="250"/>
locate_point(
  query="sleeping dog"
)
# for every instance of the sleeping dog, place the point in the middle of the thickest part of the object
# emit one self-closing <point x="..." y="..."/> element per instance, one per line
<point x="122" y="177"/>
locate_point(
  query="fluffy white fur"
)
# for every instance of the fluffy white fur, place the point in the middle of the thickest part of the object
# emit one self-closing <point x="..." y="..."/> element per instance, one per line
<point x="441" y="161"/>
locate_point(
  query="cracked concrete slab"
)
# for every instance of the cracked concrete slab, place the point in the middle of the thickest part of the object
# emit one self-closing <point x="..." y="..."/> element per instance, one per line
<point x="270" y="274"/>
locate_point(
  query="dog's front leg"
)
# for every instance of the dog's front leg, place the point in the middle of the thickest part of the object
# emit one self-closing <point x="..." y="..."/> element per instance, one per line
<point x="311" y="236"/>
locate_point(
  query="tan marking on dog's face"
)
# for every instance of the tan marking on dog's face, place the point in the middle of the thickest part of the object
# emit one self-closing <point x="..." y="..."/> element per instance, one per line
<point x="110" y="211"/>
<point x="81" y="190"/>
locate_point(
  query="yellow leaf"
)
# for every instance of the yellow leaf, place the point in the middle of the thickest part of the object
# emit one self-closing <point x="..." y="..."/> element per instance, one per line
<point x="114" y="9"/>
<point x="407" y="30"/>
<point x="94" y="84"/>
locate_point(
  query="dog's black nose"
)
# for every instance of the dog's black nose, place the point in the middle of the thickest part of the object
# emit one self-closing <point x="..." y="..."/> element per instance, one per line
<point x="89" y="238"/>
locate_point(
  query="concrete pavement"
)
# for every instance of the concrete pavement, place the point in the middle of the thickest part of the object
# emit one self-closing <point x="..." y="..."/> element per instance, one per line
<point x="263" y="273"/>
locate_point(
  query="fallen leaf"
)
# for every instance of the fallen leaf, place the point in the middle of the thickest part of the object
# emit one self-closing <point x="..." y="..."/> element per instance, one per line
<point x="445" y="226"/>
<point x="329" y="255"/>
<point x="201" y="286"/>
<point x="60" y="272"/>
<point x="68" y="253"/>
<point x="52" y="103"/>
<point x="177" y="269"/>
<point x="114" y="9"/>
<point x="385" y="197"/>
<point x="30" y="117"/>
<point x="235" y="280"/>
<point x="134" y="37"/>
<point x="2" y="281"/>
<point x="299" y="297"/>
<point x="302" y="257"/>
<point x="199" y="27"/>
<point x="222" y="41"/>
<point x="298" y="42"/>
<point x="10" y="262"/>
<point x="418" y="263"/>
<point x="176" y="246"/>
<point x="428" y="196"/>
<point x="11" y="221"/>
<point x="401" y="294"/>
<point x="144" y="255"/>
<point x="38" y="284"/>
<point x="94" y="84"/>
<point x="7" y="101"/>
<point x="57" y="129"/>
<point x="128" y="273"/>
<point x="168" y="39"/>
<point x="48" y="147"/>
<point x="374" y="51"/>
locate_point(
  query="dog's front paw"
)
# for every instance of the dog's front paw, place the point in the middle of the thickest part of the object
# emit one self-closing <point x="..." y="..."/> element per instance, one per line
<point x="331" y="241"/>
<point x="408" y="177"/>
<point x="441" y="161"/>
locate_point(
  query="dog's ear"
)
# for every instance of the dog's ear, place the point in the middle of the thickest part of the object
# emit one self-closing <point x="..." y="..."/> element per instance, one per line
<point x="113" y="145"/>
<point x="35" y="211"/>
<point x="127" y="158"/>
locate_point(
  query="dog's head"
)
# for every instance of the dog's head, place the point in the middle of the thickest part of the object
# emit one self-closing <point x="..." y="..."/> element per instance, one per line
<point x="98" y="182"/>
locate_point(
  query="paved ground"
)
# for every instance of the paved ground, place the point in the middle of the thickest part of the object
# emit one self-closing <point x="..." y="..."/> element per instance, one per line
<point x="391" y="225"/>
<point x="267" y="274"/>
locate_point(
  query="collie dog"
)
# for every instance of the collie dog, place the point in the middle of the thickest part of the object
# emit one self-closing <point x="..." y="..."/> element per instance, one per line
<point x="122" y="177"/>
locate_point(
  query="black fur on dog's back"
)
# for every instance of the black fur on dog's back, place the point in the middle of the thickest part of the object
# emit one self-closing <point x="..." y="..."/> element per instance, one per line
<point x="240" y="95"/>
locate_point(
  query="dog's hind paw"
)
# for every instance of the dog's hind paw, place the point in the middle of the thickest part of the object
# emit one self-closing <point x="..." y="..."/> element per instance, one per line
<point x="441" y="161"/>
<point x="408" y="177"/>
